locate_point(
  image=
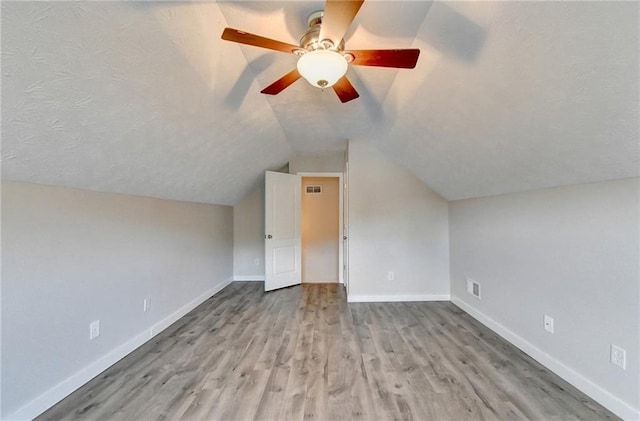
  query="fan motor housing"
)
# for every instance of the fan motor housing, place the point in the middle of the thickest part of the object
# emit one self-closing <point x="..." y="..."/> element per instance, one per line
<point x="310" y="41"/>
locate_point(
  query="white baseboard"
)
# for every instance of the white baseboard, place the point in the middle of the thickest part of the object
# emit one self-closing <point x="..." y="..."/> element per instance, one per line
<point x="176" y="315"/>
<point x="66" y="387"/>
<point x="602" y="396"/>
<point x="248" y="278"/>
<point x="394" y="298"/>
<point x="63" y="389"/>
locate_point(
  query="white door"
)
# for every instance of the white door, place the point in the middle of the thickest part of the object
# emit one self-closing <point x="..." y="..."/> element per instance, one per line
<point x="282" y="244"/>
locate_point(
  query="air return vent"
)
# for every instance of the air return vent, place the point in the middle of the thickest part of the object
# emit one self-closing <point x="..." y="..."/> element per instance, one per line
<point x="313" y="189"/>
<point x="473" y="288"/>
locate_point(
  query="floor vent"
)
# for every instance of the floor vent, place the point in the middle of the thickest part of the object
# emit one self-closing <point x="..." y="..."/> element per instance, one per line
<point x="473" y="288"/>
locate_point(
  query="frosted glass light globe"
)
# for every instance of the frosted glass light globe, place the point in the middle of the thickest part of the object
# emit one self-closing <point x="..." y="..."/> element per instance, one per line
<point x="322" y="68"/>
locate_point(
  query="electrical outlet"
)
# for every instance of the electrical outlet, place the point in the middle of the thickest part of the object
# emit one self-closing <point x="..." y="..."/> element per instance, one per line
<point x="391" y="276"/>
<point x="548" y="323"/>
<point x="145" y="305"/>
<point x="256" y="261"/>
<point x="94" y="329"/>
<point x="618" y="357"/>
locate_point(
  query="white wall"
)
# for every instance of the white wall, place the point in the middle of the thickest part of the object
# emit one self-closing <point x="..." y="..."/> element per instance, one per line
<point x="73" y="256"/>
<point x="248" y="236"/>
<point x="568" y="252"/>
<point x="333" y="162"/>
<point x="320" y="230"/>
<point x="398" y="224"/>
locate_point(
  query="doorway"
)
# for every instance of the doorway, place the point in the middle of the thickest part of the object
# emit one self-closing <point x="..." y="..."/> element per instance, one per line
<point x="321" y="228"/>
<point x="283" y="226"/>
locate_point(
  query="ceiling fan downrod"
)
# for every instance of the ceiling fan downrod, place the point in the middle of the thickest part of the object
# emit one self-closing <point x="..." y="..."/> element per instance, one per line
<point x="310" y="41"/>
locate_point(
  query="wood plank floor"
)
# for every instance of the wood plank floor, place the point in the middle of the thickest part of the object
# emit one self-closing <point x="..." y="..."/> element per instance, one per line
<point x="303" y="353"/>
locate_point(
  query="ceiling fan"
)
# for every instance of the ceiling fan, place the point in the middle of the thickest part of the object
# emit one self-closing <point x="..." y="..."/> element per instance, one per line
<point x="323" y="60"/>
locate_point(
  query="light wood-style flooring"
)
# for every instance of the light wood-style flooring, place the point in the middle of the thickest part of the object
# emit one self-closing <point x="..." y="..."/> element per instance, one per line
<point x="304" y="353"/>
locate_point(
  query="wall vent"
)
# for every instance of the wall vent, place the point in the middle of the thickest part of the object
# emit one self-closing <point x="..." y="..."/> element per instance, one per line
<point x="473" y="288"/>
<point x="313" y="189"/>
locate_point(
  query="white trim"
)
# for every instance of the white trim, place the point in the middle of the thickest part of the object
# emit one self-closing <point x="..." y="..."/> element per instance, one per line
<point x="319" y="174"/>
<point x="63" y="389"/>
<point x="250" y="278"/>
<point x="341" y="233"/>
<point x="395" y="298"/>
<point x="178" y="314"/>
<point x="602" y="396"/>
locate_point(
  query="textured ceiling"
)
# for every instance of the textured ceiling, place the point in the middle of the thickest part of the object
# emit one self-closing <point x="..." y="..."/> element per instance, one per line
<point x="144" y="98"/>
<point x="133" y="98"/>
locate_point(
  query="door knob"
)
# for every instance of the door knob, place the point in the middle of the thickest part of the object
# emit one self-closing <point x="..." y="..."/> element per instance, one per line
<point x="344" y="238"/>
<point x="269" y="236"/>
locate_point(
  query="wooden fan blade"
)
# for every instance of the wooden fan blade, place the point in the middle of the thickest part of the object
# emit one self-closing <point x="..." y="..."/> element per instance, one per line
<point x="281" y="84"/>
<point x="235" y="35"/>
<point x="338" y="15"/>
<point x="403" y="59"/>
<point x="345" y="90"/>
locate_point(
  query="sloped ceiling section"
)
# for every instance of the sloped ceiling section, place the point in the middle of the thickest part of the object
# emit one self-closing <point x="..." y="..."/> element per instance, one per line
<point x="514" y="96"/>
<point x="132" y="97"/>
<point x="144" y="98"/>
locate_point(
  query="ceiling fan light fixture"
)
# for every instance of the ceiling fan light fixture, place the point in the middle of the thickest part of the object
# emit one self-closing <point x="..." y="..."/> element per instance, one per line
<point x="322" y="68"/>
<point x="322" y="58"/>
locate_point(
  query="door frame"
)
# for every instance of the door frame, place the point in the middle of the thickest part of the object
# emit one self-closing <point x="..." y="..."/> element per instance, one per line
<point x="341" y="233"/>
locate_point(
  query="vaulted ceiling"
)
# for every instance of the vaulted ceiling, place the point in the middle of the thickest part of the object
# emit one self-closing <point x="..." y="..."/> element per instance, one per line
<point x="145" y="98"/>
